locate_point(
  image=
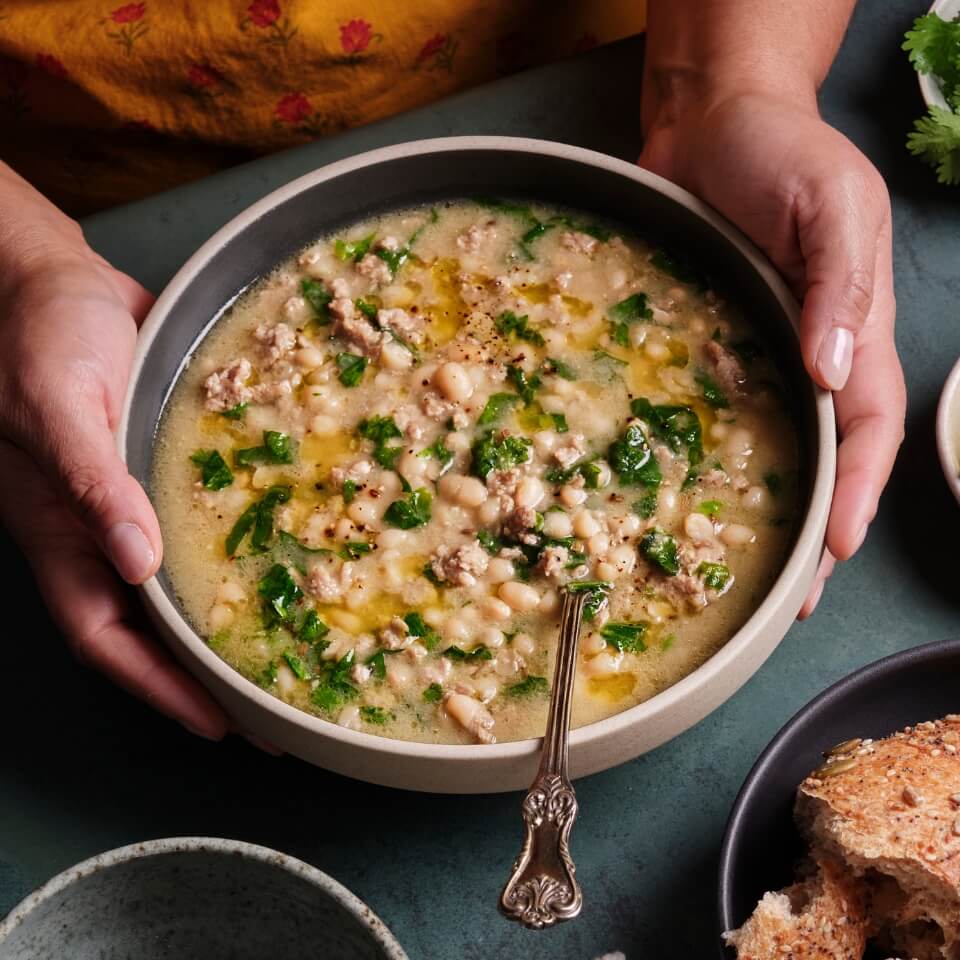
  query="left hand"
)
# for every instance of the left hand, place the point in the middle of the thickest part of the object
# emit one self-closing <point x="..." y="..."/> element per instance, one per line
<point x="820" y="211"/>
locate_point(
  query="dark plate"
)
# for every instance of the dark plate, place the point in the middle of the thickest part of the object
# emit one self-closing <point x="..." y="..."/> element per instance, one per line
<point x="761" y="844"/>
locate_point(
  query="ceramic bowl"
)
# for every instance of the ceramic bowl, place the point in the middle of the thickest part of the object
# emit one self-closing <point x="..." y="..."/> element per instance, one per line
<point x="948" y="430"/>
<point x="930" y="86"/>
<point x="194" y="898"/>
<point x="762" y="845"/>
<point x="285" y="221"/>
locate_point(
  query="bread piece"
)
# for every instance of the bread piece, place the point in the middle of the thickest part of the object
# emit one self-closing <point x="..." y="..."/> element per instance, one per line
<point x="891" y="808"/>
<point x="822" y="918"/>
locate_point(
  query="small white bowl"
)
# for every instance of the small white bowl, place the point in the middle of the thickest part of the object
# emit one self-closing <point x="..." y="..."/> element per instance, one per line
<point x="948" y="430"/>
<point x="929" y="85"/>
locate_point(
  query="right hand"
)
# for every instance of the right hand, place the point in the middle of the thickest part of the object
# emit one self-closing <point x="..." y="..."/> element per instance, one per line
<point x="68" y="322"/>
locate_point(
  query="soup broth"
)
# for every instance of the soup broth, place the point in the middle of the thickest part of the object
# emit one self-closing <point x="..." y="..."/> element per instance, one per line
<point x="385" y="461"/>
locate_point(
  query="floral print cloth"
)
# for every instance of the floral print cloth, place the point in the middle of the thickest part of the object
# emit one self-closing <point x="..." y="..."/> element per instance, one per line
<point x="101" y="104"/>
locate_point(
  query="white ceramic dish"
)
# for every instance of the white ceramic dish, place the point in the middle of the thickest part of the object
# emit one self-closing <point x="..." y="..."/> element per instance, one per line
<point x="286" y="220"/>
<point x="929" y="85"/>
<point x="948" y="430"/>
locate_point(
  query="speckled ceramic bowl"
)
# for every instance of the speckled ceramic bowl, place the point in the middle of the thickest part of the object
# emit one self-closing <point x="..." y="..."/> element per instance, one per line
<point x="194" y="898"/>
<point x="428" y="170"/>
<point x="930" y="86"/>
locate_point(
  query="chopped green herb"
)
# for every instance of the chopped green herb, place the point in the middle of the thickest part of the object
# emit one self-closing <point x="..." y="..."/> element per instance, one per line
<point x="596" y="591"/>
<point x="559" y="422"/>
<point x="353" y="550"/>
<point x="554" y="366"/>
<point x="710" y="508"/>
<point x="646" y="506"/>
<point x="715" y="575"/>
<point x="214" y="472"/>
<point x="660" y="549"/>
<point x="312" y="629"/>
<point x="508" y="323"/>
<point x="625" y="313"/>
<point x="492" y="544"/>
<point x="279" y="592"/>
<point x="529" y="686"/>
<point x="277" y="448"/>
<point x="300" y="669"/>
<point x="319" y="297"/>
<point x="625" y="637"/>
<point x="236" y="412"/>
<point x="268" y="676"/>
<point x="293" y="551"/>
<point x="496" y="408"/>
<point x="418" y="628"/>
<point x="378" y="665"/>
<point x="376" y="715"/>
<point x="380" y="430"/>
<point x="679" y="427"/>
<point x="668" y="641"/>
<point x="438" y="450"/>
<point x="349" y="490"/>
<point x="498" y="451"/>
<point x="774" y="483"/>
<point x="368" y="309"/>
<point x="351" y="368"/>
<point x="677" y="267"/>
<point x="433" y="693"/>
<point x="353" y="249"/>
<point x="477" y="653"/>
<point x="714" y="396"/>
<point x="410" y="513"/>
<point x="526" y="386"/>
<point x="427" y="573"/>
<point x="593" y="474"/>
<point x="632" y="460"/>
<point x="258" y="517"/>
<point x="335" y="688"/>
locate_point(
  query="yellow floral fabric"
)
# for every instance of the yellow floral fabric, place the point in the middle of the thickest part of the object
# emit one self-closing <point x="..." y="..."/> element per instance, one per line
<point x="101" y="104"/>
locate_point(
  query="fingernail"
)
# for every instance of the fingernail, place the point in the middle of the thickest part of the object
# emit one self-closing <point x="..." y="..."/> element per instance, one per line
<point x="861" y="536"/>
<point x="836" y="357"/>
<point x="129" y="551"/>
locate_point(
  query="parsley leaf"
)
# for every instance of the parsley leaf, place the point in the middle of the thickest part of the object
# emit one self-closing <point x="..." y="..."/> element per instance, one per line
<point x="934" y="47"/>
<point x="498" y="451"/>
<point x="433" y="693"/>
<point x="526" y="386"/>
<point x="625" y="637"/>
<point x="214" y="472"/>
<point x="410" y="513"/>
<point x="625" y="313"/>
<point x="646" y="506"/>
<point x="312" y="629"/>
<point x="679" y="427"/>
<point x="477" y="653"/>
<point x="353" y="249"/>
<point x="278" y="592"/>
<point x="438" y="450"/>
<point x="495" y="409"/>
<point x="319" y="297"/>
<point x="554" y="366"/>
<point x="351" y="368"/>
<point x="349" y="490"/>
<point x="714" y="396"/>
<point x="418" y="628"/>
<point x="491" y="543"/>
<point x="715" y="575"/>
<point x="259" y="518"/>
<point x="596" y="591"/>
<point x="529" y="686"/>
<point x="335" y="688"/>
<point x="235" y="412"/>
<point x="632" y="460"/>
<point x="710" y="508"/>
<point x="368" y="309"/>
<point x="380" y="430"/>
<point x="376" y="715"/>
<point x="509" y="324"/>
<point x="660" y="549"/>
<point x="277" y="448"/>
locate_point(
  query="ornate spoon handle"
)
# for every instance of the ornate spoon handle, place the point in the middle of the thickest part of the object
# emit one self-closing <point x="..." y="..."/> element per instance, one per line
<point x="543" y="888"/>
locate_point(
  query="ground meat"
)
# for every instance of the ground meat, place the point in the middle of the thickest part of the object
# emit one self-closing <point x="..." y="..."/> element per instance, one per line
<point x="275" y="342"/>
<point x="520" y="523"/>
<point x="227" y="387"/>
<point x="727" y="369"/>
<point x="714" y="478"/>
<point x="409" y="327"/>
<point x="553" y="561"/>
<point x="327" y="583"/>
<point x="374" y="269"/>
<point x="476" y="236"/>
<point x="340" y="289"/>
<point x="439" y="409"/>
<point x="570" y="450"/>
<point x="503" y="482"/>
<point x="410" y="421"/>
<point x="273" y="390"/>
<point x="578" y="242"/>
<point x="417" y="592"/>
<point x="356" y="330"/>
<point x="360" y="673"/>
<point x="396" y="635"/>
<point x="294" y="306"/>
<point x="687" y="586"/>
<point x="460" y="565"/>
<point x="358" y="471"/>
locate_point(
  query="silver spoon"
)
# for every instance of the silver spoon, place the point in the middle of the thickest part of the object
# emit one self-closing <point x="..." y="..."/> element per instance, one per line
<point x="543" y="888"/>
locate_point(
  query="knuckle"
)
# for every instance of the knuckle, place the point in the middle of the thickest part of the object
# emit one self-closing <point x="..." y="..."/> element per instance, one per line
<point x="858" y="294"/>
<point x="87" y="490"/>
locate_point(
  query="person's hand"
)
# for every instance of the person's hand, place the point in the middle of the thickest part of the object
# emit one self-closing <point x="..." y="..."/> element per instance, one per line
<point x="68" y="324"/>
<point x="817" y="207"/>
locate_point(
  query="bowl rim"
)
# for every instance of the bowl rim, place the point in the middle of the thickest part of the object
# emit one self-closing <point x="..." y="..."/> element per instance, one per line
<point x="808" y="538"/>
<point x="947" y="429"/>
<point x="218" y="845"/>
<point x="930" y="88"/>
<point x="752" y="784"/>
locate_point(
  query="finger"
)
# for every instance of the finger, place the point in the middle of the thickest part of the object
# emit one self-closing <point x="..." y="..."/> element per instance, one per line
<point x="827" y="563"/>
<point x="839" y="232"/>
<point x="94" y="612"/>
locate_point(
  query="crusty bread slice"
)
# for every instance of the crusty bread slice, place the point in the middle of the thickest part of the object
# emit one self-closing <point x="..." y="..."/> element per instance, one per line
<point x="822" y="918"/>
<point x="892" y="808"/>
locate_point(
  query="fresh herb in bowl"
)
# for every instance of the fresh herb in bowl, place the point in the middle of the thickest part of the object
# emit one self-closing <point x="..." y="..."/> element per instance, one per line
<point x="934" y="48"/>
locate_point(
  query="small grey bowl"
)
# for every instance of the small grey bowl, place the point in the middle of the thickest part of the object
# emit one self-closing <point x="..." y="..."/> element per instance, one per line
<point x="194" y="897"/>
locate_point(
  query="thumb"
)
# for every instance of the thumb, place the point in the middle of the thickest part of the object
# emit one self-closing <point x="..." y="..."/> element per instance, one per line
<point x="839" y="232"/>
<point x="81" y="458"/>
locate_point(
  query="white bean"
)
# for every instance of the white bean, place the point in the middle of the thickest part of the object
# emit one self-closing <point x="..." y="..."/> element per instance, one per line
<point x="624" y="558"/>
<point x="699" y="528"/>
<point x="604" y="664"/>
<point x="592" y="644"/>
<point x="487" y="688"/>
<point x="607" y="571"/>
<point x="548" y="602"/>
<point x="465" y="491"/>
<point x="489" y="512"/>
<point x="412" y="468"/>
<point x="740" y="441"/>
<point x="500" y="570"/>
<point x="365" y="512"/>
<point x="456" y="629"/>
<point x="571" y="496"/>
<point x="453" y="382"/>
<point x="519" y="596"/>
<point x="231" y="592"/>
<point x="349" y="717"/>
<point x="395" y="356"/>
<point x="399" y="674"/>
<point x="323" y="425"/>
<point x="220" y="617"/>
<point x="557" y="524"/>
<point x="598" y="545"/>
<point x="345" y="530"/>
<point x="754" y="498"/>
<point x="529" y="492"/>
<point x="344" y="620"/>
<point x="656" y="351"/>
<point x="491" y="637"/>
<point x="737" y="535"/>
<point x="584" y="524"/>
<point x="524" y="644"/>
<point x="494" y="609"/>
<point x="286" y="681"/>
<point x="391" y="538"/>
<point x="308" y="358"/>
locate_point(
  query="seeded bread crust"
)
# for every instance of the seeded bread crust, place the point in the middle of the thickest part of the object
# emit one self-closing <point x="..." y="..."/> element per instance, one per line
<point x="822" y="918"/>
<point x="892" y="808"/>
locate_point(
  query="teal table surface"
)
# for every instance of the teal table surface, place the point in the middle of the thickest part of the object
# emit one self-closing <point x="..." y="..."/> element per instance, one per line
<point x="85" y="768"/>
